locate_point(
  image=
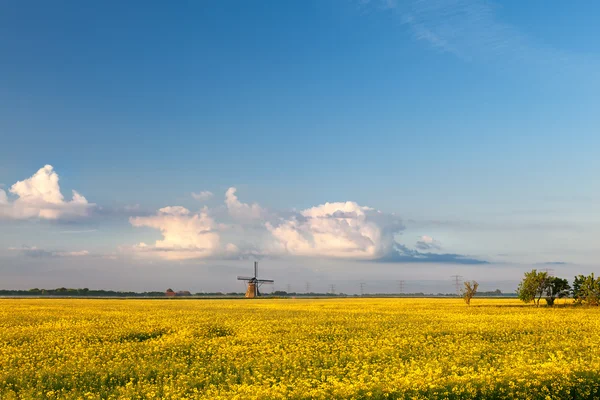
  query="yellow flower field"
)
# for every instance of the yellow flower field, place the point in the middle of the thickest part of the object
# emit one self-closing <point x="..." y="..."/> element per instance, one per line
<point x="296" y="349"/>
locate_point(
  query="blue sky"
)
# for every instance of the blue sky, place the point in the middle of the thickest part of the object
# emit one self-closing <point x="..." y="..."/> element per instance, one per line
<point x="471" y="124"/>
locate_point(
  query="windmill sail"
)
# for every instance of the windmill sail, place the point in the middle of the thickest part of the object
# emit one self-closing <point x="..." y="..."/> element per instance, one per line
<point x="254" y="283"/>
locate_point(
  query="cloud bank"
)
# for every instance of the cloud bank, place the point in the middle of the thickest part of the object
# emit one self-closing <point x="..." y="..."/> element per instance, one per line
<point x="236" y="230"/>
<point x="40" y="197"/>
<point x="337" y="230"/>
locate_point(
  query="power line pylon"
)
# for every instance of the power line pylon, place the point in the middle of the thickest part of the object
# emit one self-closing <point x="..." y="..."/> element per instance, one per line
<point x="401" y="286"/>
<point x="457" y="282"/>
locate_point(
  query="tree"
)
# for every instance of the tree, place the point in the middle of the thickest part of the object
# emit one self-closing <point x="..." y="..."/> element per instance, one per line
<point x="556" y="288"/>
<point x="577" y="295"/>
<point x="586" y="289"/>
<point x="533" y="286"/>
<point x="469" y="291"/>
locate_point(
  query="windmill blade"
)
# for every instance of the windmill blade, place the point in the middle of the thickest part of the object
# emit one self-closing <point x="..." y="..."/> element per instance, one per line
<point x="265" y="280"/>
<point x="244" y="278"/>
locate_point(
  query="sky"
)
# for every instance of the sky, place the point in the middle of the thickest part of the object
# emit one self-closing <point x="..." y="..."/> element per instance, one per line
<point x="146" y="145"/>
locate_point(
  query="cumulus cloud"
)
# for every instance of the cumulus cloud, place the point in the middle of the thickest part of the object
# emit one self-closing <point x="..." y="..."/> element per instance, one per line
<point x="239" y="210"/>
<point x="35" y="252"/>
<point x="202" y="196"/>
<point x="40" y="197"/>
<point x="185" y="234"/>
<point x="428" y="243"/>
<point x="340" y="230"/>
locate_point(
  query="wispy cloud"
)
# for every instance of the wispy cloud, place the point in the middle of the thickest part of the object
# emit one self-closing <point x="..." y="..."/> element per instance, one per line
<point x="549" y="263"/>
<point x="504" y="225"/>
<point x="402" y="254"/>
<point x="35" y="252"/>
<point x="79" y="231"/>
<point x="471" y="30"/>
<point x="202" y="196"/>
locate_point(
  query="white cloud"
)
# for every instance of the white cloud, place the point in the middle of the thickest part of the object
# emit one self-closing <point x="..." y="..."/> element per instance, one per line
<point x="202" y="196"/>
<point x="39" y="197"/>
<point x="334" y="230"/>
<point x="186" y="235"/>
<point x="239" y="210"/>
<point x="338" y="230"/>
<point x="428" y="243"/>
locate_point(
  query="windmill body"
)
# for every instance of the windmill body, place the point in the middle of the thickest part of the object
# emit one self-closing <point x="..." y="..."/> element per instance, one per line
<point x="254" y="283"/>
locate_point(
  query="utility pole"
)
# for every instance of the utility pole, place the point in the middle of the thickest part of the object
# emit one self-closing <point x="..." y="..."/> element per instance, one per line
<point x="289" y="288"/>
<point x="332" y="288"/>
<point x="362" y="288"/>
<point x="307" y="287"/>
<point x="401" y="286"/>
<point x="457" y="282"/>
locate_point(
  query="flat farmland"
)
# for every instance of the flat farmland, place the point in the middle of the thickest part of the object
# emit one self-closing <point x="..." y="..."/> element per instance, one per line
<point x="296" y="349"/>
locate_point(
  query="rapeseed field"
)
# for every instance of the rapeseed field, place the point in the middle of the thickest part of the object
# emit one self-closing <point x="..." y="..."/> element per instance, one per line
<point x="297" y="349"/>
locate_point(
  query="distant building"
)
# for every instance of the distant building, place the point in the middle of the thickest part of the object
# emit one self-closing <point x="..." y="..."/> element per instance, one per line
<point x="171" y="293"/>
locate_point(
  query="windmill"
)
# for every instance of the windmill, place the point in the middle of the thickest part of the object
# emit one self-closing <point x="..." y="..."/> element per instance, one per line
<point x="254" y="283"/>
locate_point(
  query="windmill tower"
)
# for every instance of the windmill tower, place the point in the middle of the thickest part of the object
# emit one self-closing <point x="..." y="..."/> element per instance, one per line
<point x="254" y="283"/>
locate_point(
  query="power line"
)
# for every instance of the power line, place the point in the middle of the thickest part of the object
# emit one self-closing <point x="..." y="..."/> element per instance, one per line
<point x="457" y="282"/>
<point x="362" y="288"/>
<point x="332" y="288"/>
<point x="401" y="286"/>
<point x="307" y="287"/>
<point x="289" y="288"/>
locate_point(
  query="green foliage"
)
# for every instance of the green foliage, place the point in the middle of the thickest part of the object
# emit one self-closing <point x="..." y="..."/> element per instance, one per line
<point x="533" y="286"/>
<point x="469" y="291"/>
<point x="556" y="288"/>
<point x="577" y="288"/>
<point x="586" y="290"/>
